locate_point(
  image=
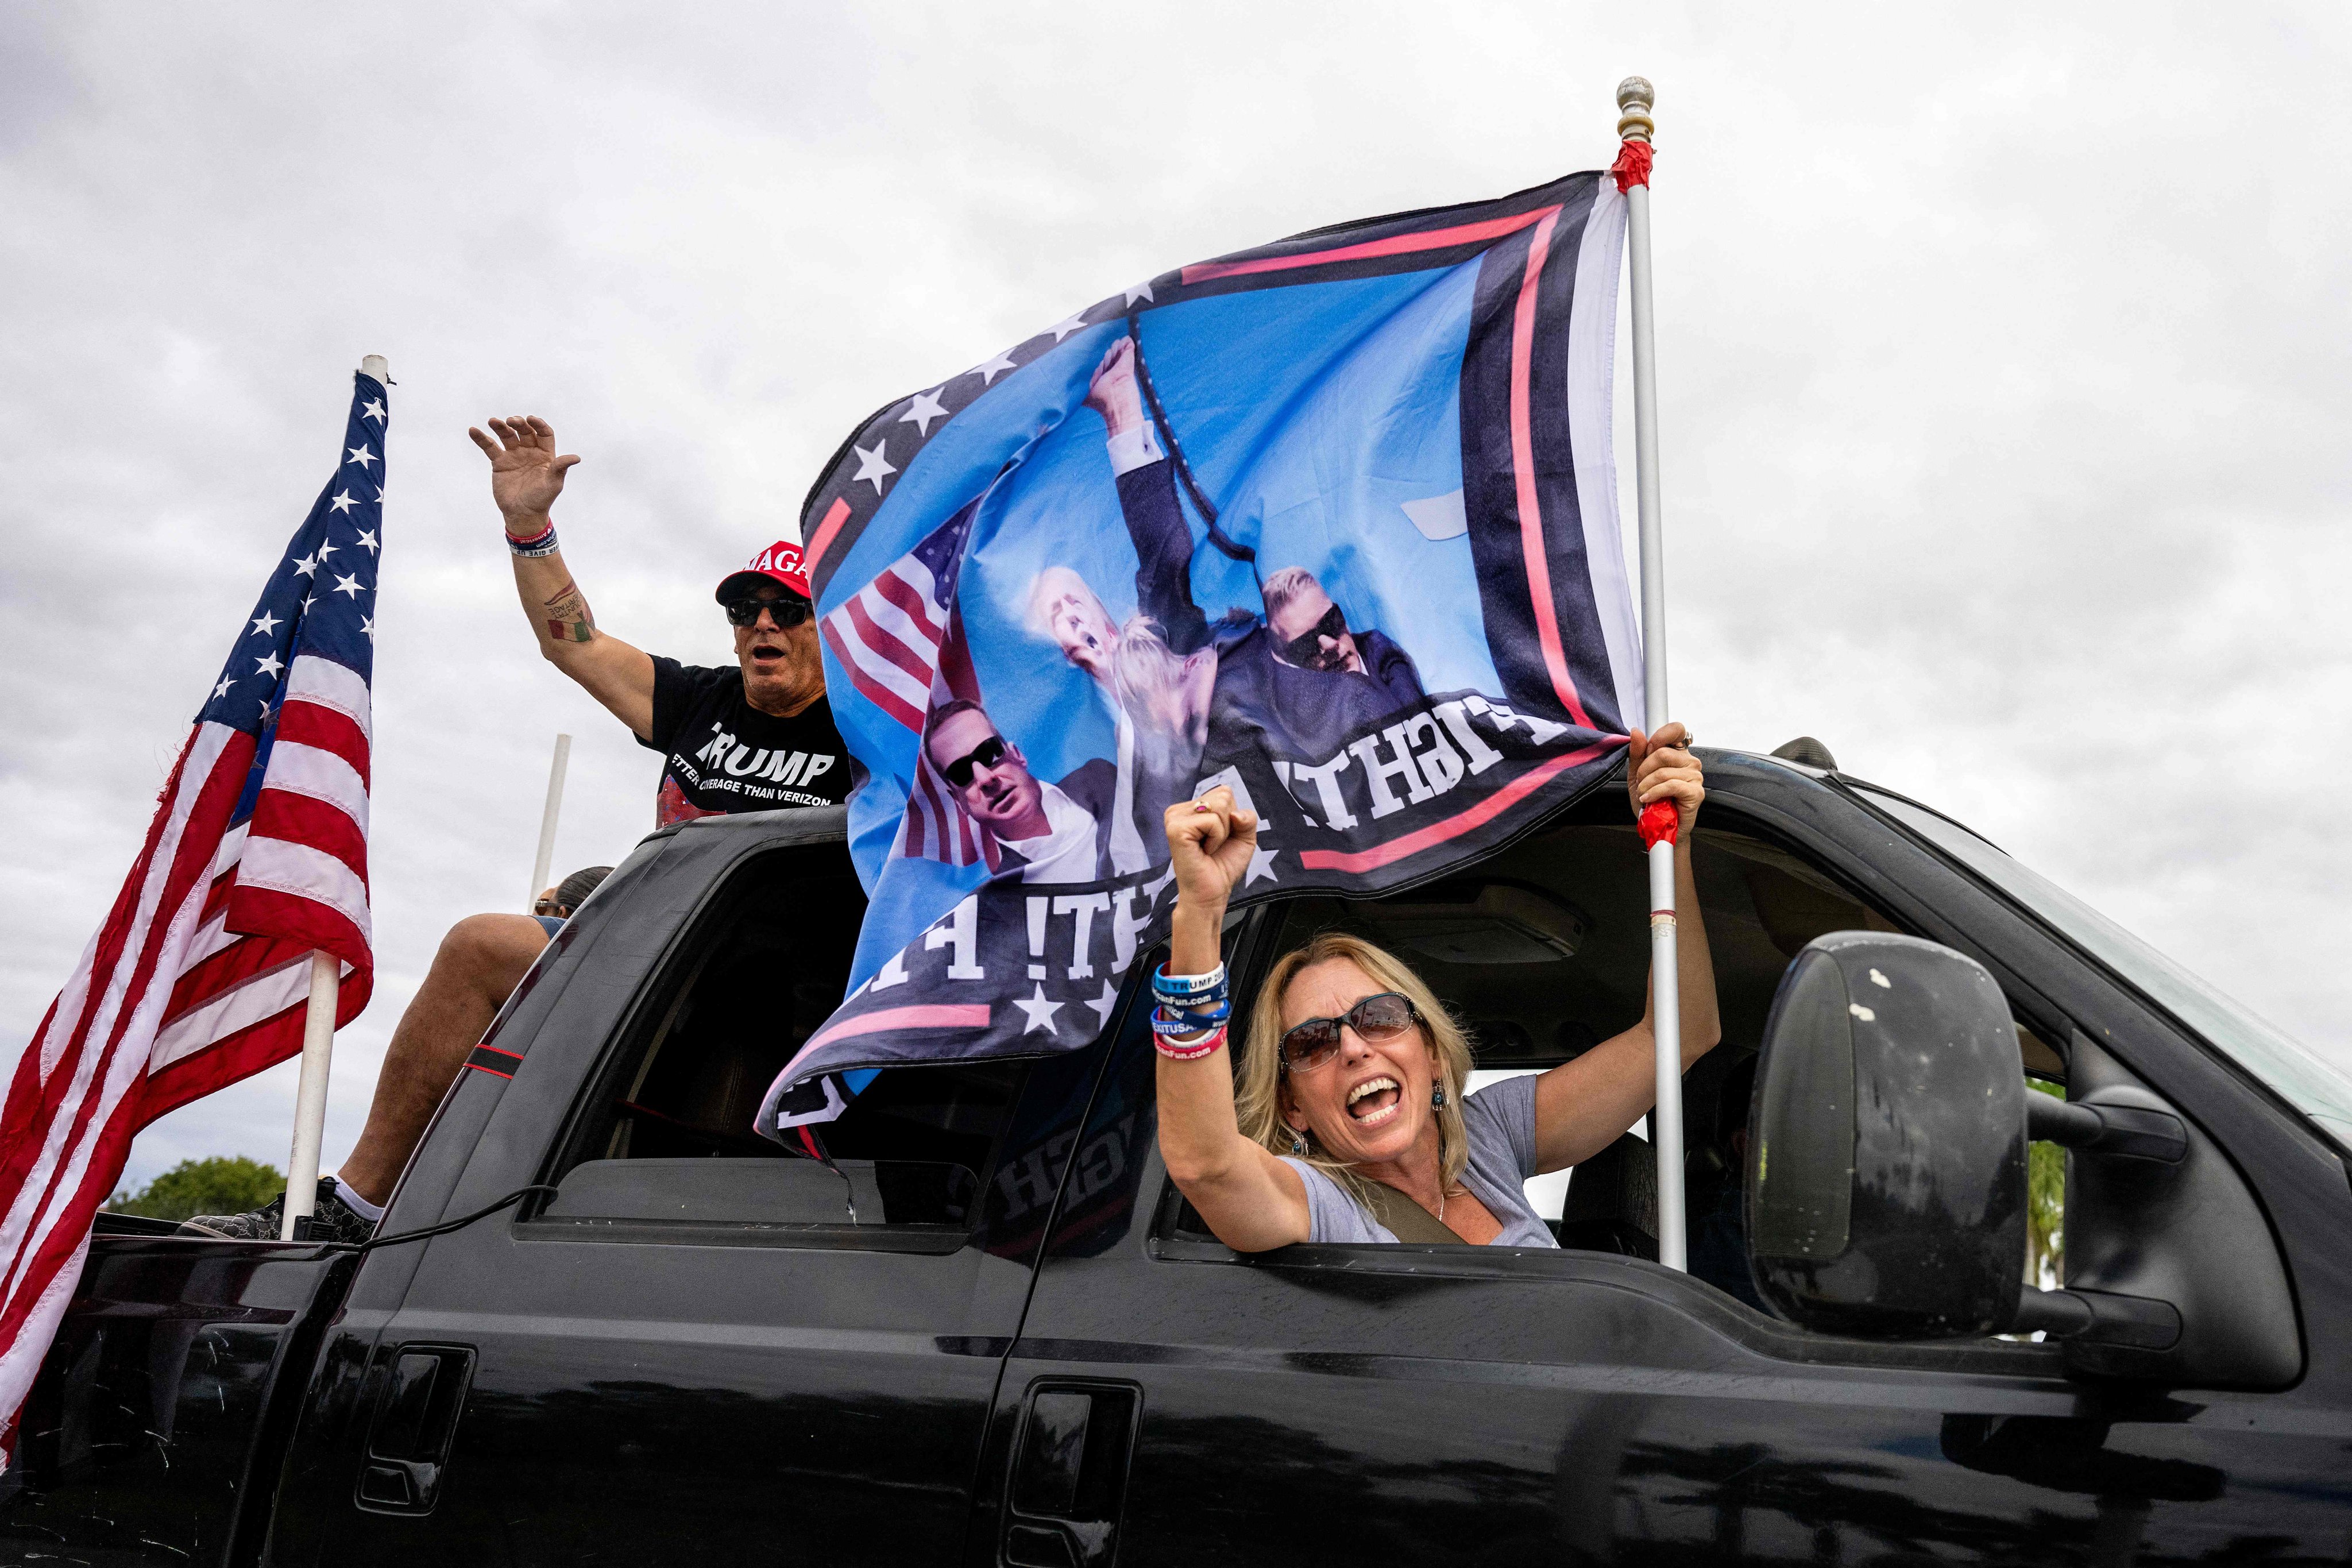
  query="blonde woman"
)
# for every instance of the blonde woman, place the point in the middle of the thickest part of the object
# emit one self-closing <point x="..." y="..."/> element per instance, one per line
<point x="1351" y="1085"/>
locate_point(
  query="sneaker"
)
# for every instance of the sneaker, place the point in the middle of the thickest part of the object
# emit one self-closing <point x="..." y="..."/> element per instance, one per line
<point x="332" y="1220"/>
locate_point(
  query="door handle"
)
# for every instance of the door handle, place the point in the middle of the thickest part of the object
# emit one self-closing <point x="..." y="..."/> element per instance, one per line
<point x="415" y="1419"/>
<point x="1069" y="1474"/>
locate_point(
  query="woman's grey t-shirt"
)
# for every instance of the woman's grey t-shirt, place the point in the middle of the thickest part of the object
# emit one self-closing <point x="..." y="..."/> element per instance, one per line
<point x="1501" y="1120"/>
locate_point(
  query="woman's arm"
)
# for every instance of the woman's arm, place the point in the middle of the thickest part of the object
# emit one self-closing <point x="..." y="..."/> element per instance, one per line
<point x="1585" y="1105"/>
<point x="1251" y="1200"/>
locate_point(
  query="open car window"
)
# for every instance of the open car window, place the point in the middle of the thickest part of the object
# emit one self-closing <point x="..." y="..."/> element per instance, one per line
<point x="1543" y="953"/>
<point x="663" y="1135"/>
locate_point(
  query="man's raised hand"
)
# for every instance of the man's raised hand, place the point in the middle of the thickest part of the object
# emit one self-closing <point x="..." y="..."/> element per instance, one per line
<point x="526" y="475"/>
<point x="1113" y="392"/>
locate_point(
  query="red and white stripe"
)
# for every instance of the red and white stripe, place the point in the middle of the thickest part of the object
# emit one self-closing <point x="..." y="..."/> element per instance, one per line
<point x="903" y="650"/>
<point x="198" y="978"/>
<point x="886" y="636"/>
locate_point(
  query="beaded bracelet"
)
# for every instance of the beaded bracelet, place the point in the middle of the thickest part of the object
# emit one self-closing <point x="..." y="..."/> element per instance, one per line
<point x="541" y="544"/>
<point x="1192" y="1052"/>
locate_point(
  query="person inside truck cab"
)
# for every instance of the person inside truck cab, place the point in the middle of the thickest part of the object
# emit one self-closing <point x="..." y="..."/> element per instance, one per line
<point x="1345" y="1120"/>
<point x="755" y="736"/>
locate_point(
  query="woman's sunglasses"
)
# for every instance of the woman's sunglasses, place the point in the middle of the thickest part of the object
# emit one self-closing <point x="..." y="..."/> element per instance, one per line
<point x="788" y="610"/>
<point x="1377" y="1019"/>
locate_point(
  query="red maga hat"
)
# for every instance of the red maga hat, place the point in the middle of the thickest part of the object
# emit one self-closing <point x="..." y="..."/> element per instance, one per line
<point x="779" y="563"/>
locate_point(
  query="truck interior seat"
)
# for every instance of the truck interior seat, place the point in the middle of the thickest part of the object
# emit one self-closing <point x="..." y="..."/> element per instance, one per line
<point x="1612" y="1203"/>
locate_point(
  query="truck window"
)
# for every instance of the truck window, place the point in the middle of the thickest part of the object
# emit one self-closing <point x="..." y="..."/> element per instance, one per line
<point x="1545" y="953"/>
<point x="663" y="1135"/>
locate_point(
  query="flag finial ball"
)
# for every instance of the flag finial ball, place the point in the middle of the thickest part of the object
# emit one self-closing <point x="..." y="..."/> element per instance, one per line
<point x="1634" y="96"/>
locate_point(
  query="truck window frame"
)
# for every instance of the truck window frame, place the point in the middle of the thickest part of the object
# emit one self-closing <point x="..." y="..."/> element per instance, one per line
<point x="626" y="1054"/>
<point x="1767" y="1335"/>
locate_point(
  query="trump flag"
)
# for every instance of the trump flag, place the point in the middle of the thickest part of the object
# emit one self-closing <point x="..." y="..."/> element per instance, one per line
<point x="1332" y="522"/>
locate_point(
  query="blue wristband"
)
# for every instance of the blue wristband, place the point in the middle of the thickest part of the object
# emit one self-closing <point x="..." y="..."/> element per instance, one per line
<point x="1171" y="1021"/>
<point x="1182" y="990"/>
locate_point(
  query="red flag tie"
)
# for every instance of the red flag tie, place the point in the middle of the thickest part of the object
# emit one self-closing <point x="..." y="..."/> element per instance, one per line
<point x="1632" y="165"/>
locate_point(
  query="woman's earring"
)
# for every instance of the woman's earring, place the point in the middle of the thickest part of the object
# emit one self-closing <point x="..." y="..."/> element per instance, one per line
<point x="1437" y="1095"/>
<point x="1297" y="1142"/>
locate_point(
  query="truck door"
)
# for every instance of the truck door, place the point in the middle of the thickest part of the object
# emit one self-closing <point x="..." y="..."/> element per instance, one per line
<point x="699" y="1349"/>
<point x="1170" y="1402"/>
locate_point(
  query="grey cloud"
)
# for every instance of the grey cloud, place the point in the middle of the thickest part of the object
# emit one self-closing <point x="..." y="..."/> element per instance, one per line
<point x="2001" y="360"/>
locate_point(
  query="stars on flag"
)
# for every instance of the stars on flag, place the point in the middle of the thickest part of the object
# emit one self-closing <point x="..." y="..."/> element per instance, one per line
<point x="1261" y="865"/>
<point x="1039" y="1011"/>
<point x="870" y="466"/>
<point x="1064" y="329"/>
<point x="318" y="603"/>
<point x="1139" y="291"/>
<point x="924" y="408"/>
<point x="988" y="373"/>
<point x="1103" y="1004"/>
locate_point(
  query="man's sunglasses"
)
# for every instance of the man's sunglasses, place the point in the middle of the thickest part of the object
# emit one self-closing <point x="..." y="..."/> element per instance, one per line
<point x="789" y="611"/>
<point x="1306" y="651"/>
<point x="1376" y="1019"/>
<point x="987" y="754"/>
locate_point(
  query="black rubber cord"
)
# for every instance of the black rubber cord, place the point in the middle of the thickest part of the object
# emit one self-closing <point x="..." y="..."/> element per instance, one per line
<point x="446" y="1227"/>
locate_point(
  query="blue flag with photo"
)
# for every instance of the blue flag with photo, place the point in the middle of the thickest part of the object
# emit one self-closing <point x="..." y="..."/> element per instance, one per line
<point x="1332" y="522"/>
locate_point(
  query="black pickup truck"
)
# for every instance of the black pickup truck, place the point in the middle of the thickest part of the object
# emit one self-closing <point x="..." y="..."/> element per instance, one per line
<point x="989" y="1332"/>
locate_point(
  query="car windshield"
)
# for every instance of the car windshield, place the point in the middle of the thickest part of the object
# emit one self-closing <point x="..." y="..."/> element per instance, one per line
<point x="2320" y="1091"/>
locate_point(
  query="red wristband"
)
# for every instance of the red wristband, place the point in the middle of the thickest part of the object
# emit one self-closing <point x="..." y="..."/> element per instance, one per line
<point x="1190" y="1052"/>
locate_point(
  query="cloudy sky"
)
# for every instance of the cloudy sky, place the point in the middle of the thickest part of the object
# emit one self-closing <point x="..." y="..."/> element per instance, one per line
<point x="2002" y="384"/>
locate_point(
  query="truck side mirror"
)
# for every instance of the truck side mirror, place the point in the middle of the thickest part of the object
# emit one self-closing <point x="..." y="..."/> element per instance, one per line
<point x="1886" y="1177"/>
<point x="1886" y="1166"/>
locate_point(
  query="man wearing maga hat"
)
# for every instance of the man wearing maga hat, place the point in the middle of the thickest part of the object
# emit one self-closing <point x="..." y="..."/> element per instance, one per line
<point x="754" y="736"/>
<point x="751" y="737"/>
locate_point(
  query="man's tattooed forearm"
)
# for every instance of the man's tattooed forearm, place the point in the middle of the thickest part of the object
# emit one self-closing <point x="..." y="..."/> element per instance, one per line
<point x="568" y="618"/>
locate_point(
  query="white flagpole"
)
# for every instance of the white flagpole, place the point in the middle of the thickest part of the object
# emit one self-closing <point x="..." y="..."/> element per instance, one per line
<point x="1634" y="96"/>
<point x="546" y="861"/>
<point x="310" y="1098"/>
<point x="317" y="1041"/>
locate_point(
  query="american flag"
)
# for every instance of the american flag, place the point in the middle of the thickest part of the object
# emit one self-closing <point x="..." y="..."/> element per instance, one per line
<point x="900" y="642"/>
<point x="255" y="857"/>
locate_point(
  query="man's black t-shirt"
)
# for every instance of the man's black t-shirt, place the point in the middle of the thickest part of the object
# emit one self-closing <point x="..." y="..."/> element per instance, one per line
<point x="725" y="755"/>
